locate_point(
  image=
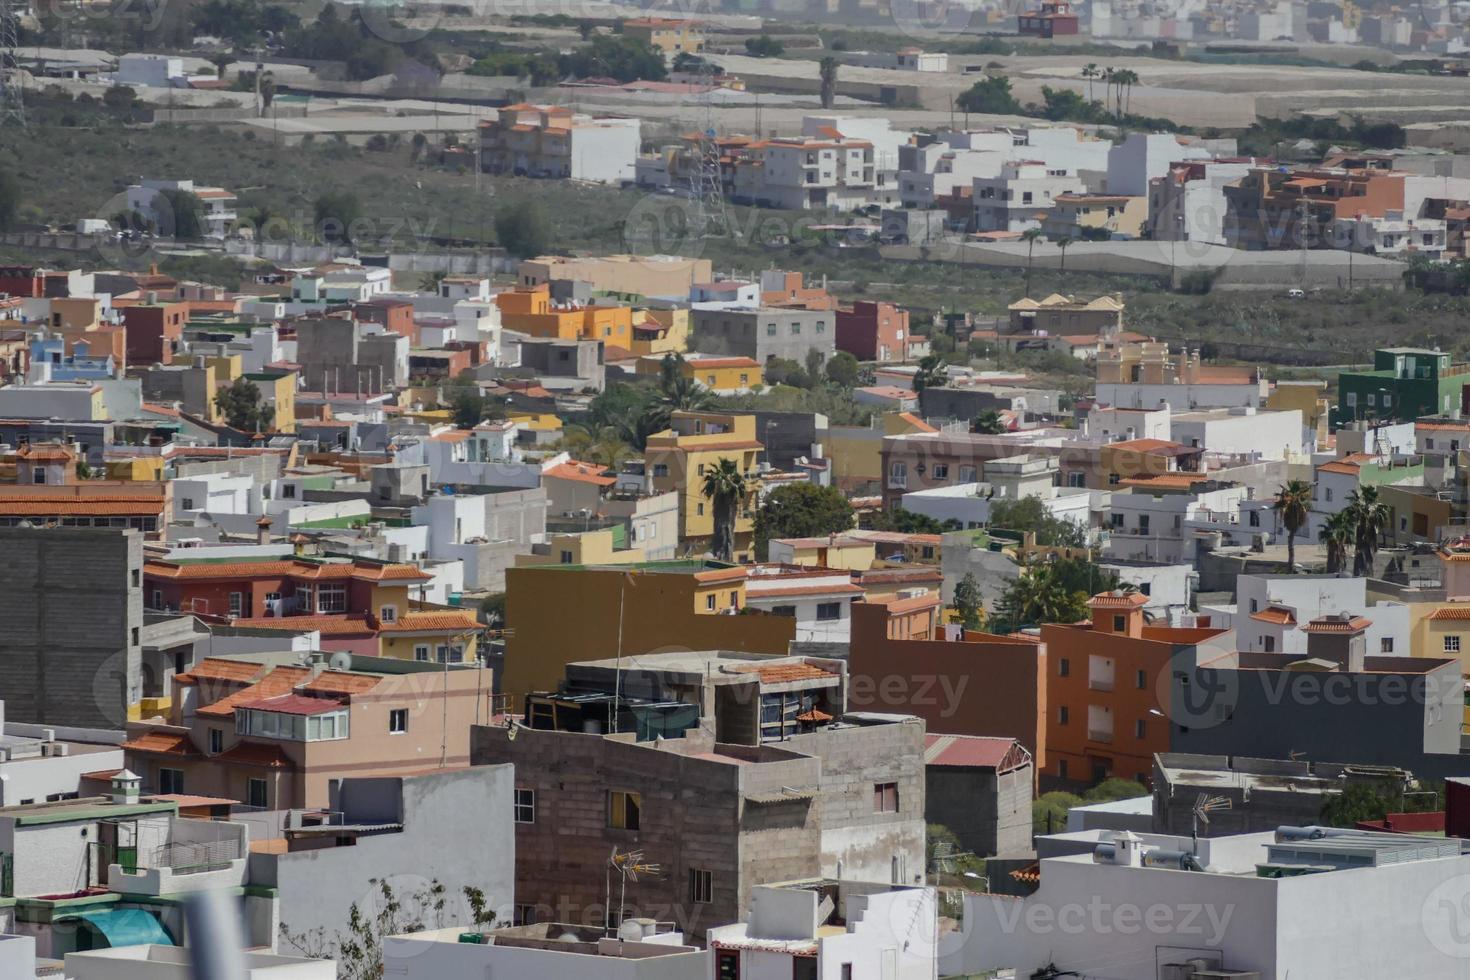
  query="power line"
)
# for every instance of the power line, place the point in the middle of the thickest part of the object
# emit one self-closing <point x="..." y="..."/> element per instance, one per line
<point x="12" y="106"/>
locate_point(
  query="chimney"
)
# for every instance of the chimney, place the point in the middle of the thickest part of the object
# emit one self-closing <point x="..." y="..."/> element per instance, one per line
<point x="263" y="531"/>
<point x="125" y="787"/>
<point x="1339" y="639"/>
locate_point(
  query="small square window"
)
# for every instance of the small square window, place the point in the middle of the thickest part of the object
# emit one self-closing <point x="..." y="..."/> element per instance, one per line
<point x="1452" y="644"/>
<point x="525" y="806"/>
<point x="624" y="810"/>
<point x="1063" y="715"/>
<point x="1064" y="667"/>
<point x="885" y="797"/>
<point x="398" y="721"/>
<point x="216" y="741"/>
<point x="701" y="886"/>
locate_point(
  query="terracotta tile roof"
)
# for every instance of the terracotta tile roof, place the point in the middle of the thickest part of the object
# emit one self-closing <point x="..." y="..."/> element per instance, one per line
<point x="799" y="590"/>
<point x="890" y="576"/>
<point x="1452" y="425"/>
<point x="1333" y="624"/>
<point x="580" y="473"/>
<point x="258" y="755"/>
<point x="338" y="682"/>
<point x="293" y="704"/>
<point x="1275" y="614"/>
<point x="279" y="681"/>
<point x="1118" y="600"/>
<point x="1457" y="613"/>
<point x="422" y="621"/>
<point x="220" y="669"/>
<point x="1161" y="446"/>
<point x="41" y="454"/>
<point x="786" y="673"/>
<point x="87" y="506"/>
<point x="715" y="576"/>
<point x="977" y="751"/>
<point x="1172" y="480"/>
<point x="1339" y="466"/>
<point x="286" y="568"/>
<point x="917" y="422"/>
<point x="728" y="444"/>
<point x="328" y="624"/>
<point x="161" y="743"/>
<point x="814" y="715"/>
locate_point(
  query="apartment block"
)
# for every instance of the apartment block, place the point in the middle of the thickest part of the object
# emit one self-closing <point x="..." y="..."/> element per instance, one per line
<point x="554" y="141"/>
<point x="765" y="334"/>
<point x="678" y="459"/>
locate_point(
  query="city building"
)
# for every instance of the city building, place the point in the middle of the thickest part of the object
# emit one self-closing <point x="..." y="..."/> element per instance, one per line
<point x="1404" y="384"/>
<point x="875" y="331"/>
<point x="638" y="951"/>
<point x="1022" y="195"/>
<point x="679" y="458"/>
<point x="765" y="334"/>
<point x="554" y="141"/>
<point x="980" y="789"/>
<point x="1052" y="19"/>
<point x="670" y="35"/>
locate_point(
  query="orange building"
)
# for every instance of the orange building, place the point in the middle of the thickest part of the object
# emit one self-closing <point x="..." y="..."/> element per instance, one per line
<point x="1105" y="717"/>
<point x="532" y="311"/>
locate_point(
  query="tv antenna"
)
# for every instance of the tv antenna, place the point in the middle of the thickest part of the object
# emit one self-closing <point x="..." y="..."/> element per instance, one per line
<point x="12" y="106"/>
<point x="629" y="865"/>
<point x="1203" y="807"/>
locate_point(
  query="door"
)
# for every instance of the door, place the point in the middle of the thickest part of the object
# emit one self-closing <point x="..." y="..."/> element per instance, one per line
<point x="727" y="965"/>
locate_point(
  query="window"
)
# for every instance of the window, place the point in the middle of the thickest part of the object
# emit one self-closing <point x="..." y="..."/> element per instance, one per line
<point x="1120" y="624"/>
<point x="398" y="721"/>
<point x="331" y="597"/>
<point x="709" y="602"/>
<point x="1142" y="680"/>
<point x="188" y="503"/>
<point x="624" y="809"/>
<point x="770" y="330"/>
<point x="787" y="611"/>
<point x="288" y="491"/>
<point x="388" y="614"/>
<point x="885" y="797"/>
<point x="1063" y="715"/>
<point x="525" y="915"/>
<point x="1064" y="667"/>
<point x="303" y="598"/>
<point x="237" y="604"/>
<point x="38" y="475"/>
<point x="699" y="510"/>
<point x="1327" y="492"/>
<point x="734" y="599"/>
<point x="566" y="557"/>
<point x="967" y="474"/>
<point x="216" y="740"/>
<point x="1255" y="605"/>
<point x="1385" y="645"/>
<point x="1139" y="727"/>
<point x="701" y="886"/>
<point x="421" y="652"/>
<point x="941" y="471"/>
<point x="1270" y="644"/>
<point x="660" y="469"/>
<point x="257" y="793"/>
<point x="170" y="780"/>
<point x="828" y="611"/>
<point x="898" y="474"/>
<point x="157" y="599"/>
<point x="796" y="330"/>
<point x="525" y="806"/>
<point x="1452" y="644"/>
<point x="1062" y="768"/>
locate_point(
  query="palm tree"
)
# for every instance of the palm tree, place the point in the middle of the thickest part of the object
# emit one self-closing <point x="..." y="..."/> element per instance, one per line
<point x="1370" y="520"/>
<point x="1063" y="243"/>
<point x="827" y="67"/>
<point x="1039" y="596"/>
<point x="1336" y="535"/>
<point x="931" y="373"/>
<point x="1124" y="78"/>
<point x="1029" y="236"/>
<point x="1089" y="72"/>
<point x="221" y="63"/>
<point x="1107" y="77"/>
<point x="725" y="487"/>
<point x="429" y="281"/>
<point x="677" y="392"/>
<point x="1293" y="501"/>
<point x="988" y="422"/>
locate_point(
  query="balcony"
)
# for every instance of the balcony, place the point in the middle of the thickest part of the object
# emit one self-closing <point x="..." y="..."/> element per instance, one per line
<point x="1099" y="735"/>
<point x="185" y="864"/>
<point x="1103" y="684"/>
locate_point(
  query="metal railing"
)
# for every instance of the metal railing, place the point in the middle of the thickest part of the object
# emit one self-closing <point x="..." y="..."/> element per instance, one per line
<point x="185" y="858"/>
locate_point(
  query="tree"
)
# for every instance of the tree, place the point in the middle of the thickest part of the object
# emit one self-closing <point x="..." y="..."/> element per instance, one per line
<point x="827" y="68"/>
<point x="242" y="408"/>
<point x="1030" y="514"/>
<point x="843" y="369"/>
<point x="1049" y="811"/>
<point x="1063" y="243"/>
<point x="1125" y="79"/>
<point x="184" y="213"/>
<point x="119" y="97"/>
<point x="267" y="91"/>
<point x="468" y="406"/>
<point x="988" y="423"/>
<point x="626" y="59"/>
<point x="967" y="602"/>
<point x="1292" y="504"/>
<point x="336" y="213"/>
<point x="725" y="488"/>
<point x="523" y="229"/>
<point x="1370" y="518"/>
<point x="801" y="510"/>
<point x="931" y="373"/>
<point x="221" y="63"/>
<point x="1037" y="596"/>
<point x="1089" y="72"/>
<point x="1115" y="788"/>
<point x="764" y="46"/>
<point x="9" y="200"/>
<point x="1337" y="535"/>
<point x="678" y="391"/>
<point x="992" y="95"/>
<point x="909" y="522"/>
<point x="1029" y="236"/>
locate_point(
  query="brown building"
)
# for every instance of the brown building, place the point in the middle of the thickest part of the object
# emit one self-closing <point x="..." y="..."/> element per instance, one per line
<point x="272" y="732"/>
<point x="154" y="331"/>
<point x="727" y="771"/>
<point x="1273" y="208"/>
<point x="959" y="682"/>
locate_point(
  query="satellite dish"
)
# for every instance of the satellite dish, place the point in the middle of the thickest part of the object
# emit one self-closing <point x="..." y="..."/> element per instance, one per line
<point x="341" y="660"/>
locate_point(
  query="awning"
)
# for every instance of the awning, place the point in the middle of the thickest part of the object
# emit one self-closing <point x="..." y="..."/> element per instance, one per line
<point x="127" y="927"/>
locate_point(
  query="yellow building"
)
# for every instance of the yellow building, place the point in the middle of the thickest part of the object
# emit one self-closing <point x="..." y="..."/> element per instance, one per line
<point x="671" y="36"/>
<point x="561" y="614"/>
<point x="831" y="551"/>
<point x="1416" y="514"/>
<point x="278" y="389"/>
<point x="1307" y="397"/>
<point x="531" y="311"/>
<point x="148" y="469"/>
<point x="440" y="635"/>
<point x="538" y="422"/>
<point x="722" y="375"/>
<point x="1072" y="215"/>
<point x="588" y="548"/>
<point x="857" y="453"/>
<point x="678" y="459"/>
<point x="661" y="332"/>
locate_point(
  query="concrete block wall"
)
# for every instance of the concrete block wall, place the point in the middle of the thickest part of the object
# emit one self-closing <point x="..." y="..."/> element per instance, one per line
<point x="71" y="601"/>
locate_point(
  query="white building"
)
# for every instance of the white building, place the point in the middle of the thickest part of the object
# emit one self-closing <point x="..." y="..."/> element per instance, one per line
<point x="800" y="173"/>
<point x="1243" y="431"/>
<point x="853" y="931"/>
<point x="553" y="141"/>
<point x="217" y="205"/>
<point x="148" y="962"/>
<point x="150" y="71"/>
<point x="1112" y="424"/>
<point x="1391" y="235"/>
<point x="1169" y="588"/>
<point x="820" y="600"/>
<point x="971" y="503"/>
<point x="1021" y="195"/>
<point x="1270" y="611"/>
<point x="1184" y="396"/>
<point x="1187" y="203"/>
<point x="1164" y="527"/>
<point x="1135" y="162"/>
<point x="44" y="764"/>
<point x="551" y="949"/>
<point x="1303" y="902"/>
<point x="1065" y="148"/>
<point x="215" y="493"/>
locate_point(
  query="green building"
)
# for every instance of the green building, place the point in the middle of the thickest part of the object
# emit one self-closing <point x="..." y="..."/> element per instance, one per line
<point x="1405" y="384"/>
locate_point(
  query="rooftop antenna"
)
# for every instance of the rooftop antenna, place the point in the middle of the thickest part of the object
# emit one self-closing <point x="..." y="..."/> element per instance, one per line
<point x="12" y="107"/>
<point x="1203" y="807"/>
<point x="628" y="865"/>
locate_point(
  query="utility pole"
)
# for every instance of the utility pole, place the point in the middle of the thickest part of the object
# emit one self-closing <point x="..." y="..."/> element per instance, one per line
<point x="12" y="105"/>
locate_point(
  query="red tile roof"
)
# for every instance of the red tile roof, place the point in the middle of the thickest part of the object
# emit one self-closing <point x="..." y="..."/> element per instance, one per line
<point x="337" y="682"/>
<point x="1275" y="614"/>
<point x="286" y="568"/>
<point x="256" y="754"/>
<point x="1332" y="624"/>
<point x="328" y="624"/>
<point x="279" y="681"/>
<point x="1453" y="613"/>
<point x="34" y="505"/>
<point x="1118" y="600"/>
<point x="981" y="752"/>
<point x="161" y="743"/>
<point x="220" y="669"/>
<point x="580" y="473"/>
<point x="425" y="621"/>
<point x="293" y="704"/>
<point x="786" y="673"/>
